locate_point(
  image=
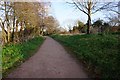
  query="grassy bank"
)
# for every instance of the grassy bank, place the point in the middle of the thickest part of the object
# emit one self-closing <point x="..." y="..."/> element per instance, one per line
<point x="14" y="54"/>
<point x="99" y="53"/>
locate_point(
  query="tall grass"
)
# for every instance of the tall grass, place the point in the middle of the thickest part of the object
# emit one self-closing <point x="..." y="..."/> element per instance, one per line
<point x="100" y="53"/>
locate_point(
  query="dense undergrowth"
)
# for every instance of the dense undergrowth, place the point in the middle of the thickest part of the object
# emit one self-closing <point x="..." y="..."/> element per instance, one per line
<point x="14" y="54"/>
<point x="99" y="53"/>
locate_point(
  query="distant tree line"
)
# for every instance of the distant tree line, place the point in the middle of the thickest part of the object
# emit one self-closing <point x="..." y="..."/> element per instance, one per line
<point x="98" y="26"/>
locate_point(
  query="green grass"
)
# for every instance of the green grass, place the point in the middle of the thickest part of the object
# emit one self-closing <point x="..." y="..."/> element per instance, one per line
<point x="14" y="54"/>
<point x="99" y="53"/>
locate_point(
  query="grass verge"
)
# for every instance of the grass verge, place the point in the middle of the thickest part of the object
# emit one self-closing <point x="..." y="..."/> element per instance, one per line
<point x="15" y="54"/>
<point x="99" y="53"/>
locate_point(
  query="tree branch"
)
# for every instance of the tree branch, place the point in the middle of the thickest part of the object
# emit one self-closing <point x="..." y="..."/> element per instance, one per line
<point x="79" y="8"/>
<point x="101" y="8"/>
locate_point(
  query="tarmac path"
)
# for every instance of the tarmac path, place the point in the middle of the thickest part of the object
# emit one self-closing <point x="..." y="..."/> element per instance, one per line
<point x="51" y="61"/>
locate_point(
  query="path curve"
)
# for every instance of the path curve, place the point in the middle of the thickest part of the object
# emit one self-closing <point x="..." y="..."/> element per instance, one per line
<point x="51" y="61"/>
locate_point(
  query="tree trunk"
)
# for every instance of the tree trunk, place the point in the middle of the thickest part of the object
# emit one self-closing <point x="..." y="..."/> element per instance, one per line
<point x="13" y="33"/>
<point x="21" y="32"/>
<point x="8" y="24"/>
<point x="9" y="35"/>
<point x="4" y="34"/>
<point x="89" y="16"/>
<point x="16" y="31"/>
<point x="88" y="24"/>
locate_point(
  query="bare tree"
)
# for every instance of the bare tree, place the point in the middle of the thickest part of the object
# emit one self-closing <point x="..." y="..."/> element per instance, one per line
<point x="114" y="14"/>
<point x="113" y="20"/>
<point x="89" y="7"/>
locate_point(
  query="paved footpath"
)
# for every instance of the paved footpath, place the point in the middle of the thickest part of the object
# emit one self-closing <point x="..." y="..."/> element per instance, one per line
<point x="51" y="61"/>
